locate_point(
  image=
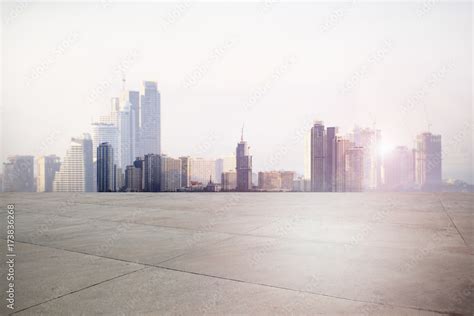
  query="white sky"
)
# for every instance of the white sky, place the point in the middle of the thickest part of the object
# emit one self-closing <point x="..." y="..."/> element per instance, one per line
<point x="295" y="62"/>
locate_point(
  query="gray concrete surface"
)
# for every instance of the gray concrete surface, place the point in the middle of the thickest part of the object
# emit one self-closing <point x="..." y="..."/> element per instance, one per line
<point x="231" y="253"/>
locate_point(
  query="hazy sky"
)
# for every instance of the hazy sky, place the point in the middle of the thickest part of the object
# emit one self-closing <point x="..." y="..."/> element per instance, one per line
<point x="274" y="65"/>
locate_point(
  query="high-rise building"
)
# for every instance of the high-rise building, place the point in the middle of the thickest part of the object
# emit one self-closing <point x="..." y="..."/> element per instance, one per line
<point x="229" y="180"/>
<point x="330" y="172"/>
<point x="150" y="114"/>
<point x="370" y="139"/>
<point x="287" y="178"/>
<point x="133" y="179"/>
<point x="201" y="169"/>
<point x="105" y="168"/>
<point x="119" y="179"/>
<point x="307" y="155"/>
<point x="269" y="181"/>
<point x="151" y="173"/>
<point x="399" y="173"/>
<point x="134" y="99"/>
<point x="341" y="146"/>
<point x="76" y="172"/>
<point x="105" y="133"/>
<point x="318" y="157"/>
<point x="354" y="173"/>
<point x="170" y="174"/>
<point x="47" y="166"/>
<point x="185" y="171"/>
<point x="126" y="144"/>
<point x="428" y="161"/>
<point x="18" y="174"/>
<point x="276" y="180"/>
<point x="243" y="166"/>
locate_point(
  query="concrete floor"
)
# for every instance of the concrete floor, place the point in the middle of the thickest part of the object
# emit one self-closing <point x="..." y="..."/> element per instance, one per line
<point x="231" y="253"/>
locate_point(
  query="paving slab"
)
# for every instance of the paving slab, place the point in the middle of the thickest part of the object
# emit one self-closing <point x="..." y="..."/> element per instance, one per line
<point x="43" y="273"/>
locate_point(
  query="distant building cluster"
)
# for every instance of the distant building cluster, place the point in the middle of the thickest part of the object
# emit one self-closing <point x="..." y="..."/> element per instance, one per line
<point x="123" y="154"/>
<point x="354" y="163"/>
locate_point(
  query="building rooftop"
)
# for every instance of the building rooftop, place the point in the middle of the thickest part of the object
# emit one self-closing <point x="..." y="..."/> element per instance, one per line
<point x="242" y="253"/>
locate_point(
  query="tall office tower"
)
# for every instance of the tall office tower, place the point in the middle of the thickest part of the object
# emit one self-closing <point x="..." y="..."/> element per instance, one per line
<point x="47" y="166"/>
<point x="229" y="180"/>
<point x="287" y="178"/>
<point x="369" y="140"/>
<point x="243" y="166"/>
<point x="134" y="99"/>
<point x="105" y="133"/>
<point x="269" y="181"/>
<point x="428" y="161"/>
<point x="307" y="155"/>
<point x="151" y="173"/>
<point x="76" y="172"/>
<point x="354" y="175"/>
<point x="201" y="169"/>
<point x="18" y="174"/>
<point x="1" y="183"/>
<point x="126" y="144"/>
<point x="150" y="114"/>
<point x="330" y="172"/>
<point x="185" y="171"/>
<point x="105" y="168"/>
<point x="399" y="173"/>
<point x="341" y="146"/>
<point x="318" y="157"/>
<point x="133" y="179"/>
<point x="119" y="179"/>
<point x="170" y="174"/>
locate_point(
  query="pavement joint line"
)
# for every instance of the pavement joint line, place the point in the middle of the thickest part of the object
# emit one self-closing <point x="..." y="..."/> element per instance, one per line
<point x="78" y="290"/>
<point x="452" y="222"/>
<point x="228" y="233"/>
<point x="147" y="265"/>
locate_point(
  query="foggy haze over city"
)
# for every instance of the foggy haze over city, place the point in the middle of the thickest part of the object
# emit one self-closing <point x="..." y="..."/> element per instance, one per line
<point x="403" y="68"/>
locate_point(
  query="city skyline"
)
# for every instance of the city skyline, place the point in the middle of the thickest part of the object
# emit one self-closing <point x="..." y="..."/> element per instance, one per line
<point x="414" y="81"/>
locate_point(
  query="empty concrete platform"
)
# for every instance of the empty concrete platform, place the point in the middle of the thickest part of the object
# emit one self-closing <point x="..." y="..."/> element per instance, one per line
<point x="241" y="253"/>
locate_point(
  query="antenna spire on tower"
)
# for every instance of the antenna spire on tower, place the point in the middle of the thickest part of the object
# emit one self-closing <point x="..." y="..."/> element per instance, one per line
<point x="242" y="133"/>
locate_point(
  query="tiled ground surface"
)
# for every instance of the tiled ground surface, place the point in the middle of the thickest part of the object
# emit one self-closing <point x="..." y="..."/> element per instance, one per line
<point x="231" y="253"/>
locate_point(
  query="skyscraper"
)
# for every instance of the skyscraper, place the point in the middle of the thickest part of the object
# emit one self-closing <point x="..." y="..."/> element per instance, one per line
<point x="151" y="173"/>
<point x="399" y="173"/>
<point x="170" y="174"/>
<point x="133" y="179"/>
<point x="370" y="139"/>
<point x="428" y="161"/>
<point x="354" y="173"/>
<point x="318" y="157"/>
<point x="229" y="180"/>
<point x="185" y="171"/>
<point x="105" y="168"/>
<point x="105" y="133"/>
<point x="18" y="174"/>
<point x="243" y="166"/>
<point x="47" y="166"/>
<point x="126" y="145"/>
<point x="341" y="146"/>
<point x="330" y="172"/>
<point x="150" y="114"/>
<point x="76" y="172"/>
